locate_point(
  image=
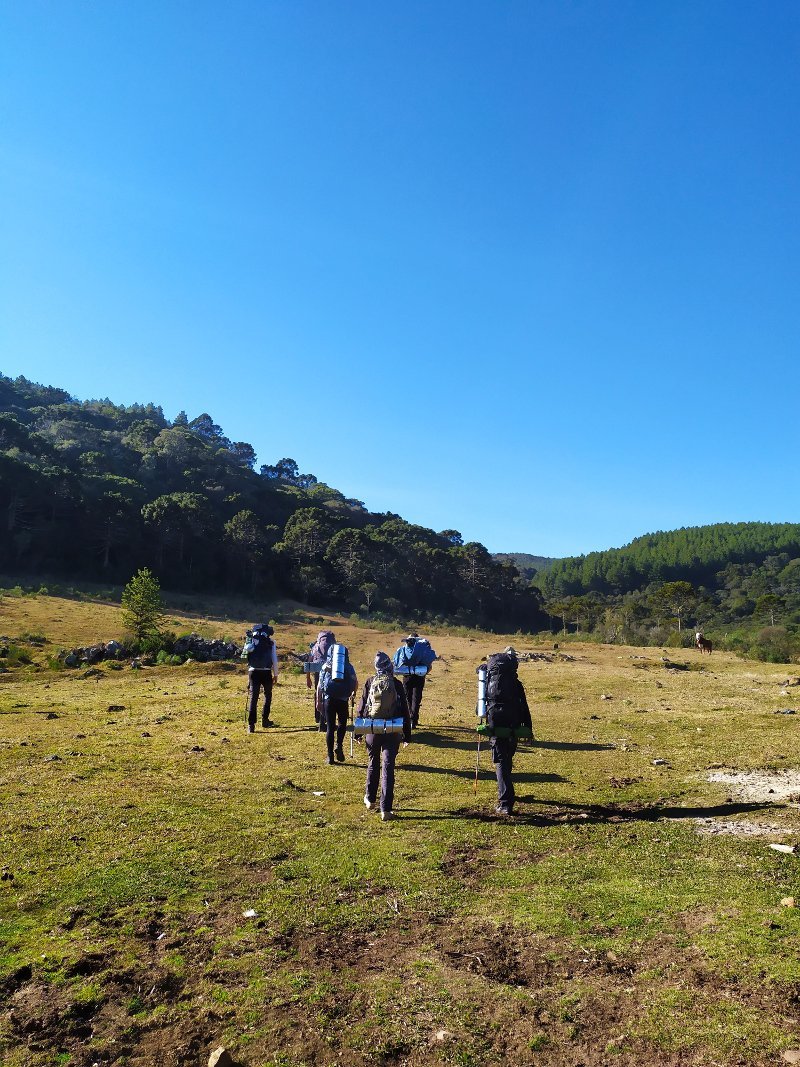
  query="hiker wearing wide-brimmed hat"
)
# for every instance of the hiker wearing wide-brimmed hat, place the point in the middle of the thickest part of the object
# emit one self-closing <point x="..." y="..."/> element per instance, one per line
<point x="412" y="662"/>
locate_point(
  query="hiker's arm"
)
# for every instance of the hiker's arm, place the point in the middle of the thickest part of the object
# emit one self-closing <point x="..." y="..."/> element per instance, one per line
<point x="274" y="662"/>
<point x="526" y="714"/>
<point x="363" y="701"/>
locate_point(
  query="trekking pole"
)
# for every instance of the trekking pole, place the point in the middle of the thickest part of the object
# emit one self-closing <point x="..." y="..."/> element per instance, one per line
<point x="352" y="725"/>
<point x="477" y="760"/>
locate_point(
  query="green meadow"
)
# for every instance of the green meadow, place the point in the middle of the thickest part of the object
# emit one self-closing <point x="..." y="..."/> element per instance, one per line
<point x="169" y="883"/>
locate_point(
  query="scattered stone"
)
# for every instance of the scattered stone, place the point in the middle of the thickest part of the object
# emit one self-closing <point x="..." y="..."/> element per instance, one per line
<point x="787" y="902"/>
<point x="51" y="715"/>
<point x="146" y="734"/>
<point x="116" y="707"/>
<point x="225" y="741"/>
<point x="791" y="1055"/>
<point x="52" y="759"/>
<point x="197" y="748"/>
<point x="93" y="672"/>
<point x="136" y="664"/>
<point x="220" y="1057"/>
<point x="606" y="696"/>
<point x="659" y="763"/>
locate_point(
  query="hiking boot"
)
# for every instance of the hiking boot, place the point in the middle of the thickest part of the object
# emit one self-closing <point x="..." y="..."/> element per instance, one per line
<point x="266" y="723"/>
<point x="369" y="804"/>
<point x="330" y="761"/>
<point x="503" y="811"/>
<point x="340" y="754"/>
<point x="251" y="729"/>
<point x="386" y="816"/>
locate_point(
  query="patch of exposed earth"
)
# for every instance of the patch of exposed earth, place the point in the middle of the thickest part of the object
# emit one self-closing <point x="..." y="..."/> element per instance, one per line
<point x="759" y="786"/>
<point x="753" y="787"/>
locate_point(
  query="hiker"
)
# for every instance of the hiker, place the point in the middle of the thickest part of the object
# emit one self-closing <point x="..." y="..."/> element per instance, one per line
<point x="384" y="697"/>
<point x="314" y="660"/>
<point x="337" y="684"/>
<point x="506" y="712"/>
<point x="413" y="661"/>
<point x="262" y="671"/>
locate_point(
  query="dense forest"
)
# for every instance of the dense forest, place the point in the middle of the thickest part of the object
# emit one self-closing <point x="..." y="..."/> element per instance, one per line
<point x="94" y="490"/>
<point x="738" y="581"/>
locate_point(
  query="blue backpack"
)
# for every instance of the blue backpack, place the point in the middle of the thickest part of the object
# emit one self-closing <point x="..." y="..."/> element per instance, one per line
<point x="337" y="688"/>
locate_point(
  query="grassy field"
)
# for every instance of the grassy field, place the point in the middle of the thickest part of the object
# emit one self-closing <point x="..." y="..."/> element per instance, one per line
<point x="615" y="920"/>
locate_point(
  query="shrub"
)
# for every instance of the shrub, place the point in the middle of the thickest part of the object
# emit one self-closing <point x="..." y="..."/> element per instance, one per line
<point x="165" y="659"/>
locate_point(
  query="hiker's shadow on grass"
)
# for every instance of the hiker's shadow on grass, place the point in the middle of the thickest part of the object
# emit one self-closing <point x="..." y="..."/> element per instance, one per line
<point x="455" y="772"/>
<point x="586" y="814"/>
<point x="441" y="740"/>
<point x="569" y="746"/>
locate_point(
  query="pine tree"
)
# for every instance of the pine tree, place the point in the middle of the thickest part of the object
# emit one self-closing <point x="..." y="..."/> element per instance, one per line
<point x="141" y="605"/>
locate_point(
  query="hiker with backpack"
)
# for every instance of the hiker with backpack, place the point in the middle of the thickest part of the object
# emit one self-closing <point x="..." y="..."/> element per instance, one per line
<point x="262" y="672"/>
<point x="412" y="662"/>
<point x="313" y="661"/>
<point x="505" y="717"/>
<point x="337" y="684"/>
<point x="383" y="698"/>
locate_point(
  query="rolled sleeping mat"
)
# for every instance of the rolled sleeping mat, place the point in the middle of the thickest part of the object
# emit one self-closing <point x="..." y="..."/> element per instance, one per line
<point x="313" y="667"/>
<point x="362" y="726"/>
<point x="338" y="661"/>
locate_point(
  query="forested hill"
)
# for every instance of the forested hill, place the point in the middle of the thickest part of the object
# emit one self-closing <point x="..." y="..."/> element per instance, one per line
<point x="526" y="564"/>
<point x="695" y="554"/>
<point x="91" y="489"/>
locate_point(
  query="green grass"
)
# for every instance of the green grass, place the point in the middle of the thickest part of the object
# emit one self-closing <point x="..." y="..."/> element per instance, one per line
<point x="599" y="920"/>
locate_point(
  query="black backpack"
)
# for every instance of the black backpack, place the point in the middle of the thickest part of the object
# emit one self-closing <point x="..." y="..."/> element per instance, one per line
<point x="503" y="703"/>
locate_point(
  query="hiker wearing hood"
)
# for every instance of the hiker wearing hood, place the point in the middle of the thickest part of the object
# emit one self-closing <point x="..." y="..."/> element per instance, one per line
<point x="333" y="693"/>
<point x="376" y="701"/>
<point x="316" y="656"/>
<point x="262" y="672"/>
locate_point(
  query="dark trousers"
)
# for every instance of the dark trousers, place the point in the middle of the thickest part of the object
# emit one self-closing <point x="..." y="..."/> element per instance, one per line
<point x="382" y="751"/>
<point x="414" y="684"/>
<point x="334" y="722"/>
<point x="503" y="749"/>
<point x="259" y="680"/>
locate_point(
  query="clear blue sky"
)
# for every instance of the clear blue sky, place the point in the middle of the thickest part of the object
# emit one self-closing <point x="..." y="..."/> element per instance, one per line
<point x="526" y="269"/>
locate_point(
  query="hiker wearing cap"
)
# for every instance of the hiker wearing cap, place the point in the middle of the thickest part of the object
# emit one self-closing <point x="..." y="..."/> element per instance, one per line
<point x="262" y="672"/>
<point x="337" y="684"/>
<point x="383" y="697"/>
<point x="412" y="662"/>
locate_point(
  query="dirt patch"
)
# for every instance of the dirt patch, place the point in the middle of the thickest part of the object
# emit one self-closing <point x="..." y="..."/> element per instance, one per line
<point x="739" y="828"/>
<point x="467" y="863"/>
<point x="758" y="786"/>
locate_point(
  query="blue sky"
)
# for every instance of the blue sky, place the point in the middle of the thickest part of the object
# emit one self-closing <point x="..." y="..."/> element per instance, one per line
<point x="524" y="269"/>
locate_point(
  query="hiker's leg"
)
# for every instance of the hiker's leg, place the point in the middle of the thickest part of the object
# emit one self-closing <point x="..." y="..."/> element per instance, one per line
<point x="503" y="750"/>
<point x="418" y="687"/>
<point x="252" y="698"/>
<point x="341" y="729"/>
<point x="266" y="682"/>
<point x="373" y="766"/>
<point x="391" y="746"/>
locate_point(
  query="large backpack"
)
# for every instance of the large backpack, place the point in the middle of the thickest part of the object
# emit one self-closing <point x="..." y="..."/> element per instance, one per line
<point x="382" y="700"/>
<point x="337" y="688"/>
<point x="503" y="703"/>
<point x="258" y="651"/>
<point x="422" y="655"/>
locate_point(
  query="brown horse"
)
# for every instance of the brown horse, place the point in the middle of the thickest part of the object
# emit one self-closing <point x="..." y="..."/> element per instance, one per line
<point x="704" y="644"/>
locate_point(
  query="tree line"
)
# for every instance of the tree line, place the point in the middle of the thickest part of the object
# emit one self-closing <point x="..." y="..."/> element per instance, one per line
<point x="96" y="490"/>
<point x="737" y="581"/>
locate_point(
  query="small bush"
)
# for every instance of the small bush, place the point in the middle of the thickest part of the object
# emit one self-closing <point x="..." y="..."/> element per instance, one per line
<point x="166" y="659"/>
<point x="17" y="657"/>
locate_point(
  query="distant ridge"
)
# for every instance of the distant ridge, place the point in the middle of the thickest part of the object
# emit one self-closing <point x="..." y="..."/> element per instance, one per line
<point x="526" y="564"/>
